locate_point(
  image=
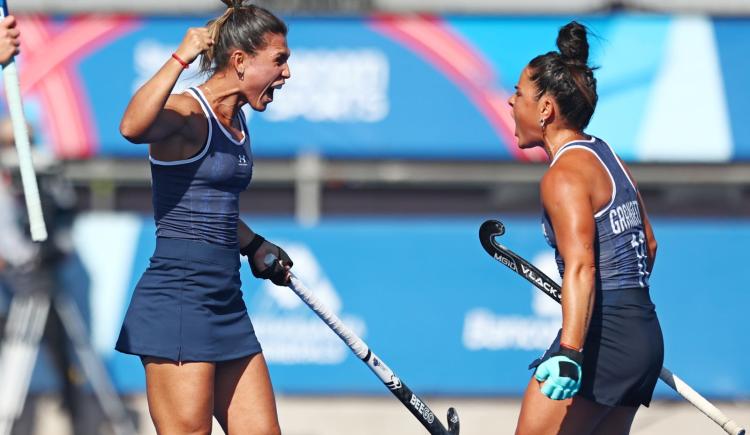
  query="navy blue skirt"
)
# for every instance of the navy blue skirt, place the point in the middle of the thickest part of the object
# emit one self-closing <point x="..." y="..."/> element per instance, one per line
<point x="624" y="349"/>
<point x="188" y="306"/>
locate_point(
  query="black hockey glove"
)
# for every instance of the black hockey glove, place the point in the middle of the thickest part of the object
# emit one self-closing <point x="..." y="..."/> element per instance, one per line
<point x="259" y="252"/>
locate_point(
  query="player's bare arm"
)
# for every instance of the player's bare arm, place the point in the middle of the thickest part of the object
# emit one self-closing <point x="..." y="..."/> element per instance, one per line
<point x="153" y="115"/>
<point x="565" y="195"/>
<point x="244" y="233"/>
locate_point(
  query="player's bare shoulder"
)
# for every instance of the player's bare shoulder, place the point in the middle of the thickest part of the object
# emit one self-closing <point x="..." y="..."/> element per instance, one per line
<point x="183" y="104"/>
<point x="193" y="118"/>
<point x="189" y="129"/>
<point x="565" y="174"/>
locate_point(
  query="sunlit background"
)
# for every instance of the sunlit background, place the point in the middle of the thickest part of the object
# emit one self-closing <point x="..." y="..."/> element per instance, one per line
<point x="375" y="166"/>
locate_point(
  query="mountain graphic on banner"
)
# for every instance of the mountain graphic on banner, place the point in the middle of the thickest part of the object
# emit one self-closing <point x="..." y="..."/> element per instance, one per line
<point x="288" y="330"/>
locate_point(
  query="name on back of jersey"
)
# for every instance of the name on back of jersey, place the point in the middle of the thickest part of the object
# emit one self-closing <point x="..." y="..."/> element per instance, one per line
<point x="625" y="216"/>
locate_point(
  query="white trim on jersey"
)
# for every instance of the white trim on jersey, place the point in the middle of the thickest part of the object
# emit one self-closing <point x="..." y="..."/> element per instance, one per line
<point x="221" y="127"/>
<point x="611" y="178"/>
<point x="562" y="148"/>
<point x="621" y="166"/>
<point x="205" y="146"/>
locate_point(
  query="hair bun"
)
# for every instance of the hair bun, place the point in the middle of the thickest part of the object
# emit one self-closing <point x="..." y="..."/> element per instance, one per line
<point x="573" y="44"/>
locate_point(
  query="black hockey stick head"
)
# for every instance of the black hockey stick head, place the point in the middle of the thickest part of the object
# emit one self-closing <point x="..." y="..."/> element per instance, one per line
<point x="454" y="425"/>
<point x="488" y="231"/>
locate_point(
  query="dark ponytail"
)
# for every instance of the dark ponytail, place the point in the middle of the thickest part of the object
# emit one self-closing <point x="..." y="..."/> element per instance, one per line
<point x="566" y="75"/>
<point x="239" y="27"/>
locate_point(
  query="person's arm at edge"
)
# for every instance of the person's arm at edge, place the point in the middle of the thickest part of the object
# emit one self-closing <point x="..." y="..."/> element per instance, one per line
<point x="9" y="39"/>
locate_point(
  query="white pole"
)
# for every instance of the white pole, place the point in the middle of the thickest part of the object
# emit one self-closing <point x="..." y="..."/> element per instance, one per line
<point x="23" y="147"/>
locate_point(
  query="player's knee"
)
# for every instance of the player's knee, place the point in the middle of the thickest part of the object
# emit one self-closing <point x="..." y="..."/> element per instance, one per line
<point x="197" y="429"/>
<point x="193" y="425"/>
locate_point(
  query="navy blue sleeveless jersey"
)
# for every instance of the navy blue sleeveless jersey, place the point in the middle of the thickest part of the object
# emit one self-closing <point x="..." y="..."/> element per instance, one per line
<point x="198" y="198"/>
<point x="620" y="242"/>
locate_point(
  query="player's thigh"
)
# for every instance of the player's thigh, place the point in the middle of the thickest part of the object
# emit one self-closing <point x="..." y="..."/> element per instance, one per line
<point x="541" y="415"/>
<point x="180" y="395"/>
<point x="617" y="421"/>
<point x="244" y="400"/>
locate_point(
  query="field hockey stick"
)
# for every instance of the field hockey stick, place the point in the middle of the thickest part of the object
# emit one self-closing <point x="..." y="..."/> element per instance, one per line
<point x="492" y="228"/>
<point x="414" y="403"/>
<point x="23" y="147"/>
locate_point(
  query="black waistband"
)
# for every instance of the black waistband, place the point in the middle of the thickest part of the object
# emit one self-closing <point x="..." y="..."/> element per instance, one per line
<point x="638" y="295"/>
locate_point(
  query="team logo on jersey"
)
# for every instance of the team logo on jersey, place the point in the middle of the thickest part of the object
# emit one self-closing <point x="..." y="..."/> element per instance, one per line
<point x="242" y="160"/>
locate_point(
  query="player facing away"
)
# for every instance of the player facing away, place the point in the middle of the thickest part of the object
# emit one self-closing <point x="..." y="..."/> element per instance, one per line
<point x="607" y="356"/>
<point x="187" y="320"/>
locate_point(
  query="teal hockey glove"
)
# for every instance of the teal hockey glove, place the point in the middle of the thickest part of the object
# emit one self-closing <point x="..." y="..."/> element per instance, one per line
<point x="561" y="374"/>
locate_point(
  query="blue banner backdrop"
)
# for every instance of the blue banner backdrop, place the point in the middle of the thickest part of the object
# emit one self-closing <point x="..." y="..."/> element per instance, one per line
<point x="413" y="86"/>
<point x="425" y="296"/>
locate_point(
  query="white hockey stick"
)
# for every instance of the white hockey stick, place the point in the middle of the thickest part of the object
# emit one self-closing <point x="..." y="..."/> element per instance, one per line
<point x="23" y="147"/>
<point x="416" y="405"/>
<point x="703" y="405"/>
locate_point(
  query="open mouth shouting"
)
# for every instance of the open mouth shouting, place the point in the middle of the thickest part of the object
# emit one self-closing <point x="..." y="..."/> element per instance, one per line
<point x="267" y="96"/>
